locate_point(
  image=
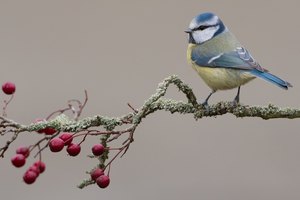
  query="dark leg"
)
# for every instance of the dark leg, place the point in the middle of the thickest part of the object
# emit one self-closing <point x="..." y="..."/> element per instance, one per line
<point x="205" y="103"/>
<point x="237" y="97"/>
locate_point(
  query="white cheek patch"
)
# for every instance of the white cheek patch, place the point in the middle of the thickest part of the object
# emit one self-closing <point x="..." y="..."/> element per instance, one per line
<point x="205" y="35"/>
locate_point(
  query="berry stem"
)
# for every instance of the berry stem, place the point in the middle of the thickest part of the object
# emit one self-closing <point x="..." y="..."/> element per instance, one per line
<point x="40" y="153"/>
<point x="6" y="102"/>
<point x="108" y="172"/>
<point x="117" y="154"/>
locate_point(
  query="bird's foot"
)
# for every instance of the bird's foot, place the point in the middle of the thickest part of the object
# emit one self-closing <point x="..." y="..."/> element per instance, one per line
<point x="236" y="100"/>
<point x="234" y="103"/>
<point x="205" y="106"/>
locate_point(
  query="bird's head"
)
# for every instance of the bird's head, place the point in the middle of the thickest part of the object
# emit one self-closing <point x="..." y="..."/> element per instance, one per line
<point x="204" y="27"/>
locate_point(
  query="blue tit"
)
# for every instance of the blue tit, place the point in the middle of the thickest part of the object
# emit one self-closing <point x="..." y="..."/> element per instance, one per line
<point x="220" y="60"/>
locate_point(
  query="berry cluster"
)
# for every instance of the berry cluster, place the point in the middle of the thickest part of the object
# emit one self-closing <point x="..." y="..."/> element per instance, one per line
<point x="57" y="144"/>
<point x="56" y="141"/>
<point x="97" y="174"/>
<point x="101" y="179"/>
<point x="65" y="139"/>
<point x="73" y="149"/>
<point x="33" y="171"/>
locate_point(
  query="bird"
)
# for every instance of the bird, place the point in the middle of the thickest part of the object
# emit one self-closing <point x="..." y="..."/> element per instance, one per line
<point x="220" y="59"/>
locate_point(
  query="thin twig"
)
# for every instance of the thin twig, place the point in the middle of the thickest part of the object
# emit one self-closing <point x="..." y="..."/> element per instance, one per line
<point x="132" y="108"/>
<point x="6" y="104"/>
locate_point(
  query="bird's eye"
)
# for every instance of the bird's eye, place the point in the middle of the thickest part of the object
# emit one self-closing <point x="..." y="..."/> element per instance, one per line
<point x="201" y="28"/>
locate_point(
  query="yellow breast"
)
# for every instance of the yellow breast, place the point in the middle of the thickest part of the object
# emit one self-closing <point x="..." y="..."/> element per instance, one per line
<point x="220" y="78"/>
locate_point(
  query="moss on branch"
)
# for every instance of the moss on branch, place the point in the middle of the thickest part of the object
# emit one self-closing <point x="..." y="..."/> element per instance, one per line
<point x="157" y="102"/>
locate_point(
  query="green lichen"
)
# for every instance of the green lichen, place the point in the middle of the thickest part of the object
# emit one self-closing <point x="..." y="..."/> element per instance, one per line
<point x="154" y="103"/>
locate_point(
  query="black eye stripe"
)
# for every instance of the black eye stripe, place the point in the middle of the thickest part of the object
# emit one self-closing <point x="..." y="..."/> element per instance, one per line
<point x="203" y="27"/>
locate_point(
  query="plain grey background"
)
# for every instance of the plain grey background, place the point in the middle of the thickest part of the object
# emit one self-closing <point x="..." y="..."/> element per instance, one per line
<point x="119" y="51"/>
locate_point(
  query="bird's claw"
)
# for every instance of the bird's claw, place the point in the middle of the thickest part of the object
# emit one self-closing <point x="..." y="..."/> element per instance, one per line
<point x="205" y="106"/>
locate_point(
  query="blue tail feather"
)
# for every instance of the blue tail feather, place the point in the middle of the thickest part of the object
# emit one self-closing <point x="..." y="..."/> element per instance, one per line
<point x="271" y="78"/>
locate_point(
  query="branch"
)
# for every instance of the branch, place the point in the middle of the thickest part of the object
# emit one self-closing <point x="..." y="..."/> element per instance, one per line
<point x="156" y="102"/>
<point x="82" y="127"/>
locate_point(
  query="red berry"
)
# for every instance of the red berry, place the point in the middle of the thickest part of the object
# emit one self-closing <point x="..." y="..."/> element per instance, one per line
<point x="67" y="138"/>
<point x="40" y="165"/>
<point x="56" y="144"/>
<point x="29" y="177"/>
<point x="23" y="150"/>
<point x="41" y="131"/>
<point x="37" y="121"/>
<point x="49" y="131"/>
<point x="73" y="149"/>
<point x="103" y="181"/>
<point x="35" y="169"/>
<point x="9" y="88"/>
<point x="96" y="173"/>
<point x="98" y="149"/>
<point x="18" y="160"/>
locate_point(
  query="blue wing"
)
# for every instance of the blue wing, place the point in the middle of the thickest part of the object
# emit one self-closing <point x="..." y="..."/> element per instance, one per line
<point x="239" y="59"/>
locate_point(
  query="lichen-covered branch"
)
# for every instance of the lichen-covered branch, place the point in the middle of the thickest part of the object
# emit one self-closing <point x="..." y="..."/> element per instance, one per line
<point x="86" y="127"/>
<point x="157" y="102"/>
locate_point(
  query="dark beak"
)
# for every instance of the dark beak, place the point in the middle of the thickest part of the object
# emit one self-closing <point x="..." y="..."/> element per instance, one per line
<point x="188" y="31"/>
